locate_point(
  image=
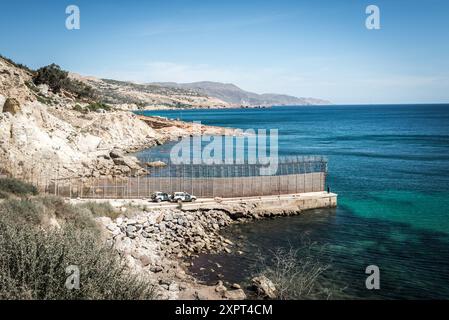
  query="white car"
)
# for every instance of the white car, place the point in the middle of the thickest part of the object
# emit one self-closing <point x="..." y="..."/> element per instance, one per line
<point x="160" y="196"/>
<point x="182" y="197"/>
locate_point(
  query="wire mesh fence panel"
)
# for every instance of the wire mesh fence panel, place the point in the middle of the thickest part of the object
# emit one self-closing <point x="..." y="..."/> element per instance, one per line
<point x="293" y="175"/>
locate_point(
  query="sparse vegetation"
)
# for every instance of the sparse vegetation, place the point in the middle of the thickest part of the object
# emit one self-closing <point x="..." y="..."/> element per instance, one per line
<point x="80" y="109"/>
<point x="18" y="65"/>
<point x="93" y="107"/>
<point x="103" y="209"/>
<point x="53" y="76"/>
<point x="96" y="106"/>
<point x="41" y="236"/>
<point x="81" y="90"/>
<point x="10" y="186"/>
<point x="58" y="79"/>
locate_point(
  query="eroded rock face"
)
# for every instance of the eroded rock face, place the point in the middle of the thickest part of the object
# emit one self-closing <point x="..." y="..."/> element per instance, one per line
<point x="47" y="137"/>
<point x="12" y="106"/>
<point x="13" y="82"/>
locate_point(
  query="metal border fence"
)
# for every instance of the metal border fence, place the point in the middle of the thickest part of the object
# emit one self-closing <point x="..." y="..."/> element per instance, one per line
<point x="294" y="175"/>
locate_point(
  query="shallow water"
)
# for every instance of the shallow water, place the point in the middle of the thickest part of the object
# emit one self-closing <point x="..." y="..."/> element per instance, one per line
<point x="389" y="165"/>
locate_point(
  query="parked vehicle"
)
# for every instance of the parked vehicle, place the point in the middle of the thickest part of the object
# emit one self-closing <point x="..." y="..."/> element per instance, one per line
<point x="182" y="197"/>
<point x="160" y="196"/>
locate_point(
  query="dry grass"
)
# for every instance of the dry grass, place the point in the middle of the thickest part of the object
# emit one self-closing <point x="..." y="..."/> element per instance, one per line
<point x="296" y="272"/>
<point x="103" y="209"/>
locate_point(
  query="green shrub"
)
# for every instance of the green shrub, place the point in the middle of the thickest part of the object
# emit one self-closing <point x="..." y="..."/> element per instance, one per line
<point x="39" y="210"/>
<point x="53" y="76"/>
<point x="81" y="90"/>
<point x="34" y="257"/>
<point x="93" y="107"/>
<point x="22" y="211"/>
<point x="97" y="106"/>
<point x="16" y="187"/>
<point x="33" y="266"/>
<point x="57" y="79"/>
<point x="80" y="109"/>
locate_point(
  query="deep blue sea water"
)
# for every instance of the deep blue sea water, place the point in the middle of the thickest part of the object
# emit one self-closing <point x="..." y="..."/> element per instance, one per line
<point x="389" y="165"/>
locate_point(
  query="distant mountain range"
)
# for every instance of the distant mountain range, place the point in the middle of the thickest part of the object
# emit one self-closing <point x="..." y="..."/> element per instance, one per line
<point x="205" y="94"/>
<point x="233" y="95"/>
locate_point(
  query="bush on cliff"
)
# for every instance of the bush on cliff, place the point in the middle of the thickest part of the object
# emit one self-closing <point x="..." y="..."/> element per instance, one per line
<point x="53" y="76"/>
<point x="58" y="79"/>
<point x="41" y="236"/>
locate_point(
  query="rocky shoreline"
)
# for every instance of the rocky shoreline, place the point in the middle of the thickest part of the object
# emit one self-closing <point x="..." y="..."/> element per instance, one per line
<point x="160" y="242"/>
<point x="46" y="135"/>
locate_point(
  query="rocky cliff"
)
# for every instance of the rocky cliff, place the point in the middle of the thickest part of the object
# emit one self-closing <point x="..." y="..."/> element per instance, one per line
<point x="44" y="135"/>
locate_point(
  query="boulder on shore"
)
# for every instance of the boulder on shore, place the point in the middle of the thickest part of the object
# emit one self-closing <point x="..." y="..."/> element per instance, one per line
<point x="114" y="154"/>
<point x="264" y="287"/>
<point x="155" y="164"/>
<point x="237" y="294"/>
<point x="12" y="106"/>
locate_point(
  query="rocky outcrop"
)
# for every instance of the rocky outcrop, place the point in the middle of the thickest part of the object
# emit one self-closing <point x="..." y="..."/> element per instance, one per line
<point x="44" y="137"/>
<point x="157" y="241"/>
<point x="11" y="105"/>
<point x="264" y="287"/>
<point x="178" y="233"/>
<point x="13" y="82"/>
<point x="153" y="242"/>
<point x="35" y="141"/>
<point x="62" y="142"/>
<point x="237" y="294"/>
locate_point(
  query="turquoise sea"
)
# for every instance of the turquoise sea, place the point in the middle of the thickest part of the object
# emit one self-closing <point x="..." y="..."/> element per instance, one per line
<point x="389" y="165"/>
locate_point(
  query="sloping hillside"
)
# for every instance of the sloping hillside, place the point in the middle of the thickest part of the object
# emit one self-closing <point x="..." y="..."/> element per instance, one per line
<point x="149" y="95"/>
<point x="14" y="81"/>
<point x="232" y="94"/>
<point x="48" y="135"/>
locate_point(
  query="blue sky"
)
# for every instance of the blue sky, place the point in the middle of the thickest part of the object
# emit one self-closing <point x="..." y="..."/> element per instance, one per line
<point x="304" y="48"/>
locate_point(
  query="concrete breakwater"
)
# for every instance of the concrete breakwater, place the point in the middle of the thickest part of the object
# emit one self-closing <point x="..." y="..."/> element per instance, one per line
<point x="158" y="241"/>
